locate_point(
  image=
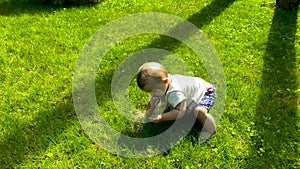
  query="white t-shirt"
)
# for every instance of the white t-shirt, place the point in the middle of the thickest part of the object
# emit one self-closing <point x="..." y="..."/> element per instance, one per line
<point x="188" y="88"/>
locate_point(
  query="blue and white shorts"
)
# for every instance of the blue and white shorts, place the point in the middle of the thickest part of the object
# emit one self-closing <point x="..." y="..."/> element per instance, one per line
<point x="208" y="99"/>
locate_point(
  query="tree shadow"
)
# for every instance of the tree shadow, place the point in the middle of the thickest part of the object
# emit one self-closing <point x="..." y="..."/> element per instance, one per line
<point x="15" y="8"/>
<point x="19" y="7"/>
<point x="276" y="134"/>
<point x="210" y="12"/>
<point x="28" y="139"/>
<point x="199" y="19"/>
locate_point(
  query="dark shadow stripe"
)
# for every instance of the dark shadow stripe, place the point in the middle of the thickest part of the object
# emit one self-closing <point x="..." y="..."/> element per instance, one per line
<point x="275" y="141"/>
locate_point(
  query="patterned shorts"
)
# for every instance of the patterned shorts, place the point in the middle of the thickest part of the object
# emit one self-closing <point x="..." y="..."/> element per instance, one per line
<point x="208" y="99"/>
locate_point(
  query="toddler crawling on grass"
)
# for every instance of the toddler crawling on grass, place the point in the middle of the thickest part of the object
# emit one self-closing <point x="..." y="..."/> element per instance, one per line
<point x="177" y="94"/>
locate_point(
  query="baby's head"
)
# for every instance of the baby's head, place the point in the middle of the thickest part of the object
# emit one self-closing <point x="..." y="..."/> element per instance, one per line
<point x="151" y="76"/>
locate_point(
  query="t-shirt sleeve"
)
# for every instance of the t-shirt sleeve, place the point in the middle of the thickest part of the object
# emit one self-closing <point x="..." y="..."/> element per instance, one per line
<point x="175" y="97"/>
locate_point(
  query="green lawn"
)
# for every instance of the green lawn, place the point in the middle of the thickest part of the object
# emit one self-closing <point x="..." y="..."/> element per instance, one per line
<point x="259" y="48"/>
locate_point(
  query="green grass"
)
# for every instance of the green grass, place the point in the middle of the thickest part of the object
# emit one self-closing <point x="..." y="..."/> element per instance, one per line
<point x="259" y="48"/>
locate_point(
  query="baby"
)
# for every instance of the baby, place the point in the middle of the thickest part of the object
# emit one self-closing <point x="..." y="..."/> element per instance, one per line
<point x="177" y="94"/>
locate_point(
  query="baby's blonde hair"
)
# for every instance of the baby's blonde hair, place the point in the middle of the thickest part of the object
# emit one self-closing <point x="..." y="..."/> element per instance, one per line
<point x="151" y="70"/>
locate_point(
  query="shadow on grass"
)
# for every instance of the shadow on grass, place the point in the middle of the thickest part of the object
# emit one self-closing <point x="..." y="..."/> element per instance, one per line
<point x="210" y="12"/>
<point x="274" y="144"/>
<point x="199" y="19"/>
<point x="15" y="8"/>
<point x="33" y="138"/>
<point x="19" y="7"/>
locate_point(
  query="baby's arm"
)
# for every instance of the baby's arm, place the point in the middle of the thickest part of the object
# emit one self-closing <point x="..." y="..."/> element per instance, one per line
<point x="151" y="106"/>
<point x="147" y="114"/>
<point x="173" y="114"/>
<point x="149" y="110"/>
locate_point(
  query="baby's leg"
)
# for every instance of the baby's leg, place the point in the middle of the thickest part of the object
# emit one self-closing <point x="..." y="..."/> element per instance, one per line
<point x="207" y="121"/>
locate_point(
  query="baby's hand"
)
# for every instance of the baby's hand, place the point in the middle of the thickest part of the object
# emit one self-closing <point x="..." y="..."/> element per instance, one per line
<point x="139" y="115"/>
<point x="156" y="119"/>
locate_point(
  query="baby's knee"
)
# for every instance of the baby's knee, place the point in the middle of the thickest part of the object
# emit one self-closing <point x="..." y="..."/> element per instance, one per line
<point x="202" y="111"/>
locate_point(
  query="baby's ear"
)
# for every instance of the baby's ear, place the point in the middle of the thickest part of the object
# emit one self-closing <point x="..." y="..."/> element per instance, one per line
<point x="165" y="80"/>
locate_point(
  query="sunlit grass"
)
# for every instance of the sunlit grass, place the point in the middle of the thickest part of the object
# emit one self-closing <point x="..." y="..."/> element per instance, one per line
<point x="39" y="46"/>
